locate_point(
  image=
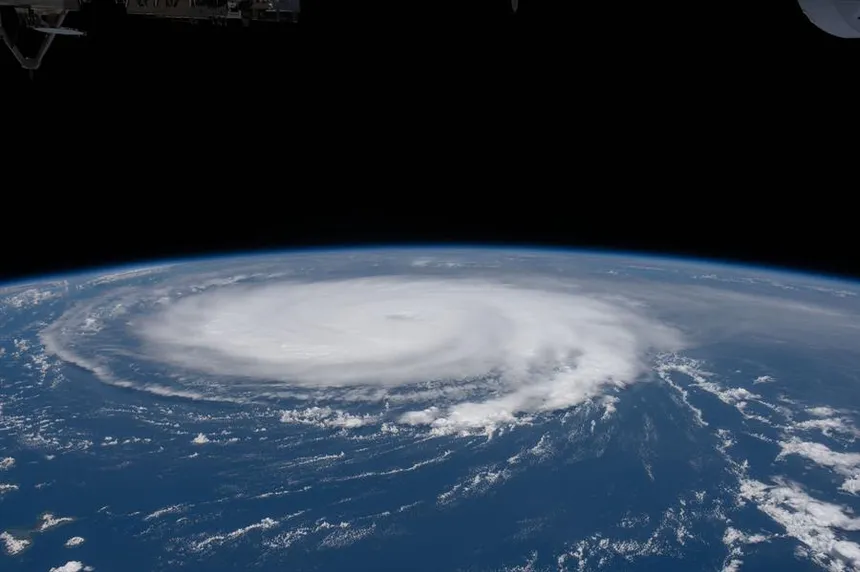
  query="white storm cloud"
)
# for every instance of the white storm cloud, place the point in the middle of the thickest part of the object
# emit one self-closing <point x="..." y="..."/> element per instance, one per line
<point x="545" y="350"/>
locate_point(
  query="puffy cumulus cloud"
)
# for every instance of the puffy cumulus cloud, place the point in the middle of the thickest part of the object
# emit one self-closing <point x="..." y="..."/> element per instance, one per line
<point x="12" y="545"/>
<point x="327" y="417"/>
<point x="545" y="349"/>
<point x="817" y="524"/>
<point x="845" y="464"/>
<point x="822" y="411"/>
<point x="72" y="566"/>
<point x="827" y="426"/>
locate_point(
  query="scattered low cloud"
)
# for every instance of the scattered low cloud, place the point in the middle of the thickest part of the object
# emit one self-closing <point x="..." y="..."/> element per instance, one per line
<point x="817" y="524"/>
<point x="327" y="417"/>
<point x="13" y="545"/>
<point x="75" y="541"/>
<point x="845" y="464"/>
<point x="72" y="566"/>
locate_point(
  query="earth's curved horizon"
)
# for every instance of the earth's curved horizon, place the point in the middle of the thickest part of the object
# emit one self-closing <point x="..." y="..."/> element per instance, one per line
<point x="144" y="263"/>
<point x="421" y="408"/>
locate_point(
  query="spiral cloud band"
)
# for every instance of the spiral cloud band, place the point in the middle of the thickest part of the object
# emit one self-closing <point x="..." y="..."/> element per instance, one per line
<point x="538" y="349"/>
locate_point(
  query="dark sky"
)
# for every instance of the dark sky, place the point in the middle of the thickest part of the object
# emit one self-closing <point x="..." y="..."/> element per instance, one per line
<point x="83" y="232"/>
<point x="661" y="129"/>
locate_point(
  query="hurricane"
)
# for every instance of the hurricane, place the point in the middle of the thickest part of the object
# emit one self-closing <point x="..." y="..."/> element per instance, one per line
<point x="508" y="350"/>
<point x="430" y="410"/>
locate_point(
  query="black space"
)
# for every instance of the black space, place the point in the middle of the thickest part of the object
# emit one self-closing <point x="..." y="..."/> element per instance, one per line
<point x="658" y="127"/>
<point x="83" y="233"/>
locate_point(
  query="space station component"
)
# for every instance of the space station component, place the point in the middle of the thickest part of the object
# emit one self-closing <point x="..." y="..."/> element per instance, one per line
<point x="839" y="18"/>
<point x="46" y="20"/>
<point x="46" y="17"/>
<point x="219" y="11"/>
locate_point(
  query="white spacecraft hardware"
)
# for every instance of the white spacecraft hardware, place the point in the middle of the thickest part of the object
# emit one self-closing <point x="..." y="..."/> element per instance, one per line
<point x="840" y="18"/>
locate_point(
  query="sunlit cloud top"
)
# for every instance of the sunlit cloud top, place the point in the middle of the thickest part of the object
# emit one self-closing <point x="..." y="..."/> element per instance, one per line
<point x="545" y="350"/>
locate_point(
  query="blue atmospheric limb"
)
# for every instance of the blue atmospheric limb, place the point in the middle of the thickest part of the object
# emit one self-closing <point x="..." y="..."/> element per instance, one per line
<point x="836" y="17"/>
